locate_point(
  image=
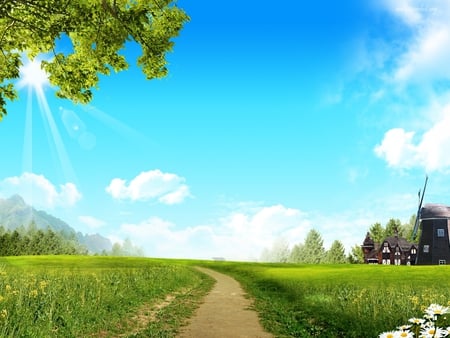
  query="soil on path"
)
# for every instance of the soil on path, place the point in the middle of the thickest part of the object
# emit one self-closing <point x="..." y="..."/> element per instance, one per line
<point x="225" y="313"/>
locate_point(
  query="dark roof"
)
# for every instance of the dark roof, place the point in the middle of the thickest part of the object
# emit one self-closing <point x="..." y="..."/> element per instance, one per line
<point x="400" y="241"/>
<point x="372" y="254"/>
<point x="368" y="241"/>
<point x="432" y="210"/>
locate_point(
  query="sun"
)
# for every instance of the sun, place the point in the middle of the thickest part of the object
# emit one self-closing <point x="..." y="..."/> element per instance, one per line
<point x="35" y="79"/>
<point x="32" y="75"/>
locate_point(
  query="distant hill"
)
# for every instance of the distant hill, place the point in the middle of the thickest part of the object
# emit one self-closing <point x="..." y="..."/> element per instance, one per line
<point x="95" y="243"/>
<point x="15" y="213"/>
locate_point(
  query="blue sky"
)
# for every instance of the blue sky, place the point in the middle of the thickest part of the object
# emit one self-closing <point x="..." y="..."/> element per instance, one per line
<point x="273" y="120"/>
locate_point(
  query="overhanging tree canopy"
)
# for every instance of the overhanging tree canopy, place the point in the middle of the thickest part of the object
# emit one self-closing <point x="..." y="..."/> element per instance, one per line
<point x="97" y="29"/>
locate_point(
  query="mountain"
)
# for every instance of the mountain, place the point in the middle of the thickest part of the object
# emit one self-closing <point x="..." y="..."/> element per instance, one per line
<point x="95" y="243"/>
<point x="15" y="213"/>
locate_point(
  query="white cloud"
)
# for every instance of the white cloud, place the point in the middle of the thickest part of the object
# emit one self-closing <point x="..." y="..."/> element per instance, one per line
<point x="238" y="236"/>
<point x="167" y="188"/>
<point x="427" y="57"/>
<point x="91" y="222"/>
<point x="244" y="234"/>
<point x="176" y="196"/>
<point x="406" y="10"/>
<point x="38" y="191"/>
<point x="423" y="67"/>
<point x="423" y="55"/>
<point x="430" y="151"/>
<point x="397" y="148"/>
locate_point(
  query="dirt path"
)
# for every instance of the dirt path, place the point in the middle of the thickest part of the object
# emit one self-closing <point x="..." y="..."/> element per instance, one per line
<point x="225" y="313"/>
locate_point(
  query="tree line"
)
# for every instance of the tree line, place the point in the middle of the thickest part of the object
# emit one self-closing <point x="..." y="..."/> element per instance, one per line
<point x="34" y="241"/>
<point x="312" y="251"/>
<point x="126" y="249"/>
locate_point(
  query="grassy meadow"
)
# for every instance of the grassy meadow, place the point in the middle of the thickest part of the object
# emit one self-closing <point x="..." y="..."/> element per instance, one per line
<point x="82" y="296"/>
<point x="339" y="300"/>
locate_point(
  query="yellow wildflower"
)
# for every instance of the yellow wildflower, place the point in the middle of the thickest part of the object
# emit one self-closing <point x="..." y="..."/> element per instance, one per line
<point x="414" y="300"/>
<point x="4" y="313"/>
<point x="43" y="284"/>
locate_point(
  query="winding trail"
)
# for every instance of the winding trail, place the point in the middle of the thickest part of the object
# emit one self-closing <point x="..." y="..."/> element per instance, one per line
<point x="225" y="313"/>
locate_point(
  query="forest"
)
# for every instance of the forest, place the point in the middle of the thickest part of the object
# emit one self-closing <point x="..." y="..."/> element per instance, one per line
<point x="33" y="241"/>
<point x="29" y="241"/>
<point x="312" y="250"/>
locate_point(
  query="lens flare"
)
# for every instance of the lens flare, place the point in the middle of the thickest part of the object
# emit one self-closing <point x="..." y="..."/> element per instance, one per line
<point x="32" y="75"/>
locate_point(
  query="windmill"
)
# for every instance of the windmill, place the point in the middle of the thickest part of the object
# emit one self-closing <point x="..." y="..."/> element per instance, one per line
<point x="434" y="242"/>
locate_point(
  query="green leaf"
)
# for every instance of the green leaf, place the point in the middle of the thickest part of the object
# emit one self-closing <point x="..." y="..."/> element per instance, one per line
<point x="97" y="29"/>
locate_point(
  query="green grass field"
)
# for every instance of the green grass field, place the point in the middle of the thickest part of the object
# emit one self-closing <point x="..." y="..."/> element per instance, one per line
<point x="81" y="296"/>
<point x="339" y="300"/>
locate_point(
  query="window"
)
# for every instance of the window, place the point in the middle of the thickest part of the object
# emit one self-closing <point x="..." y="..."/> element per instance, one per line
<point x="413" y="251"/>
<point x="440" y="232"/>
<point x="426" y="248"/>
<point x="442" y="262"/>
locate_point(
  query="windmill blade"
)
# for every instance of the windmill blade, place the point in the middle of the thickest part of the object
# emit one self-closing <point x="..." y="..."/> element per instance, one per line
<point x="416" y="225"/>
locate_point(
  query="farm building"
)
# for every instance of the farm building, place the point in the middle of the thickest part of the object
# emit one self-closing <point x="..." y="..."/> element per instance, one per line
<point x="434" y="243"/>
<point x="393" y="250"/>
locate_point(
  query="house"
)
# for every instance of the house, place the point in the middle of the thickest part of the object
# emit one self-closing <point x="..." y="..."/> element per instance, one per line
<point x="393" y="250"/>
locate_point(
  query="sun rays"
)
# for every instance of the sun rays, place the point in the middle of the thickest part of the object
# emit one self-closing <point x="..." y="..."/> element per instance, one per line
<point x="35" y="79"/>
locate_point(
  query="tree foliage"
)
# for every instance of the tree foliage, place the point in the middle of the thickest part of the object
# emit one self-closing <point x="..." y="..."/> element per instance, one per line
<point x="127" y="249"/>
<point x="378" y="233"/>
<point x="356" y="255"/>
<point x="408" y="229"/>
<point x="394" y="226"/>
<point x="336" y="253"/>
<point x="297" y="253"/>
<point x="97" y="31"/>
<point x="314" y="251"/>
<point x="311" y="251"/>
<point x="21" y="242"/>
<point x="279" y="253"/>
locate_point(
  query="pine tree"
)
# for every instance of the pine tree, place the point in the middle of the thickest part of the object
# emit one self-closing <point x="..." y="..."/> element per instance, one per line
<point x="313" y="248"/>
<point x="297" y="254"/>
<point x="356" y="255"/>
<point x="377" y="232"/>
<point x="336" y="253"/>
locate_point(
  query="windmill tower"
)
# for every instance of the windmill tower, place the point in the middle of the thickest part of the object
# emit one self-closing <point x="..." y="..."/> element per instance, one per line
<point x="434" y="242"/>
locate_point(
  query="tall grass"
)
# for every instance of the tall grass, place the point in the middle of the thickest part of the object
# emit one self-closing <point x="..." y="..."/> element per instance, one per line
<point x="88" y="296"/>
<point x="105" y="297"/>
<point x="339" y="300"/>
